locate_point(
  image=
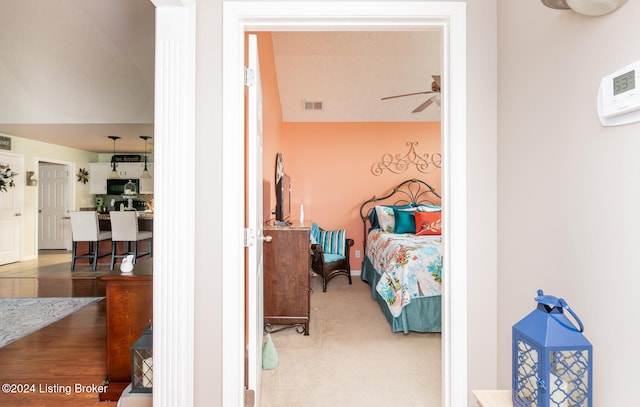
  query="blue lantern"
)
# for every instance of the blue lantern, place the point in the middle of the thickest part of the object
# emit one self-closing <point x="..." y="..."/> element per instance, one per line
<point x="552" y="360"/>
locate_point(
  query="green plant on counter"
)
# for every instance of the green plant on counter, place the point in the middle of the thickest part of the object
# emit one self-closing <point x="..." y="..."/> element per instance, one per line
<point x="6" y="177"/>
<point x="83" y="175"/>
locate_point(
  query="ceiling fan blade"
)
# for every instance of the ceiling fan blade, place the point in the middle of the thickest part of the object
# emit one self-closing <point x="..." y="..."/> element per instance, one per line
<point x="407" y="94"/>
<point x="423" y="106"/>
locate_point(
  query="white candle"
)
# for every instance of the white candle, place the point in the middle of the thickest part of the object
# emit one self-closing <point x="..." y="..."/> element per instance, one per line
<point x="147" y="372"/>
<point x="301" y="215"/>
<point x="559" y="393"/>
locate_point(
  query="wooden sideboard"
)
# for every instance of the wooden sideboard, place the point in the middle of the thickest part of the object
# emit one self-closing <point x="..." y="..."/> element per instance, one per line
<point x="129" y="309"/>
<point x="286" y="277"/>
<point x="493" y="398"/>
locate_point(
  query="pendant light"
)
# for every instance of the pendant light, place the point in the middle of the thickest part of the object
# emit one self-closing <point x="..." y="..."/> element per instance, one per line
<point x="114" y="173"/>
<point x="145" y="172"/>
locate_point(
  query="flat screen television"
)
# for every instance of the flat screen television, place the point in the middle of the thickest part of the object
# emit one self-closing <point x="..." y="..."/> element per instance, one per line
<point x="283" y="198"/>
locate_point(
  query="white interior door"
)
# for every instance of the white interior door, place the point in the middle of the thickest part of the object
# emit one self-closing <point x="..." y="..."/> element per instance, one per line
<point x="11" y="211"/>
<point x="52" y="208"/>
<point x="254" y="299"/>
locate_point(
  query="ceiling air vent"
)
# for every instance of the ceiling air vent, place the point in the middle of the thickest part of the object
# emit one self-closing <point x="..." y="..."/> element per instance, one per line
<point x="309" y="105"/>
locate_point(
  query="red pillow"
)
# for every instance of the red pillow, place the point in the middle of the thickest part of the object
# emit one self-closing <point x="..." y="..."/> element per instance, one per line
<point x="428" y="223"/>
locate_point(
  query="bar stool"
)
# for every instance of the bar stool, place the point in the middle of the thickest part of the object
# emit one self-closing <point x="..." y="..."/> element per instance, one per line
<point x="85" y="227"/>
<point x="124" y="228"/>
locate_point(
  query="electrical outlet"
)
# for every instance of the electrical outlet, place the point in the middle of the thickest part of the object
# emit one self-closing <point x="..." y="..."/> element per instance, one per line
<point x="357" y="254"/>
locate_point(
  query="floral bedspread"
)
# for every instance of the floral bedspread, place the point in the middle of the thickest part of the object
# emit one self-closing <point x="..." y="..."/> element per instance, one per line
<point x="411" y="266"/>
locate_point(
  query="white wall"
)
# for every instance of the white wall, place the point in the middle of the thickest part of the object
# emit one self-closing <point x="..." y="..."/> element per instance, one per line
<point x="482" y="124"/>
<point x="34" y="151"/>
<point x="568" y="194"/>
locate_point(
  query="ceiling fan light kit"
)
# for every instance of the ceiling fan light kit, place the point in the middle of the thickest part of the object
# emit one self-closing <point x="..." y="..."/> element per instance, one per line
<point x="556" y="4"/>
<point x="586" y="7"/>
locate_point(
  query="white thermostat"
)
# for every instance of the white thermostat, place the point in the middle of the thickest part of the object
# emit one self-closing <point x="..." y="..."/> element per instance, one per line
<point x="618" y="96"/>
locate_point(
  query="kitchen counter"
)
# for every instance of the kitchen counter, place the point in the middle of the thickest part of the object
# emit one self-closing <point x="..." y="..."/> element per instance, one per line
<point x="145" y="222"/>
<point x="141" y="215"/>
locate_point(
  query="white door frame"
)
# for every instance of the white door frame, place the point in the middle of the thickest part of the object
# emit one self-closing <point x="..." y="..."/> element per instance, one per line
<point x="71" y="199"/>
<point x="239" y="17"/>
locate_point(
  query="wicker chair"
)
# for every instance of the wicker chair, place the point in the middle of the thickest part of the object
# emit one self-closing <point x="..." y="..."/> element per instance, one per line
<point x="330" y="254"/>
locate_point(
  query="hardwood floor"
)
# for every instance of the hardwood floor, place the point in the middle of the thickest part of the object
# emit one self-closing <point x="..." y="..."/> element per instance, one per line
<point x="66" y="355"/>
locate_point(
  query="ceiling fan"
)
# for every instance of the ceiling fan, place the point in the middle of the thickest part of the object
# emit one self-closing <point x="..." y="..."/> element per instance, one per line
<point x="435" y="89"/>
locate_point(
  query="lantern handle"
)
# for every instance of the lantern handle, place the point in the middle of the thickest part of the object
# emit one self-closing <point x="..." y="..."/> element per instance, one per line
<point x="552" y="301"/>
<point x="564" y="304"/>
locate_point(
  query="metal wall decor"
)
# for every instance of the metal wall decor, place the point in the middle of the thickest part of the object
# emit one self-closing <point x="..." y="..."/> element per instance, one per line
<point x="399" y="164"/>
<point x="83" y="175"/>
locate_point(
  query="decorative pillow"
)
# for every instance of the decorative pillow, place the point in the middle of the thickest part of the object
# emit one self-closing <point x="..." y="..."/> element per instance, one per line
<point x="405" y="221"/>
<point x="428" y="223"/>
<point x="386" y="219"/>
<point x="314" y="236"/>
<point x="333" y="241"/>
<point x="428" y="208"/>
<point x="375" y="218"/>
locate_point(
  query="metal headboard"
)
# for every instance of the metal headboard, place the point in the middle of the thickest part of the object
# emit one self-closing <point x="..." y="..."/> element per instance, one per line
<point x="412" y="191"/>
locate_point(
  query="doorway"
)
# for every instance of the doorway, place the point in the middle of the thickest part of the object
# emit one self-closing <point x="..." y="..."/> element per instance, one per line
<point x="53" y="204"/>
<point x="352" y="64"/>
<point x="55" y="196"/>
<point x="240" y="17"/>
<point x="11" y="208"/>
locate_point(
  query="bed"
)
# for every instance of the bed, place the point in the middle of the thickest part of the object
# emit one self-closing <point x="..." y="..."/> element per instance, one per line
<point x="403" y="255"/>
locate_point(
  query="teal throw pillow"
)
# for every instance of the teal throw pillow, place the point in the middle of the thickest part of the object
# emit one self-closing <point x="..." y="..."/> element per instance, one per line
<point x="405" y="221"/>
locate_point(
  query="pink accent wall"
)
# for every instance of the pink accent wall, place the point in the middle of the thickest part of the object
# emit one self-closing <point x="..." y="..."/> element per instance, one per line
<point x="330" y="164"/>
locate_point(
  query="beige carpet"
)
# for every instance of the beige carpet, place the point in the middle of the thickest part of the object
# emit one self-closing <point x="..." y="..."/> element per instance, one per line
<point x="351" y="357"/>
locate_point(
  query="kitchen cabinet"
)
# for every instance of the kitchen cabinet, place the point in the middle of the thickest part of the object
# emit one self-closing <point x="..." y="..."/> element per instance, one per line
<point x="98" y="174"/>
<point x="128" y="170"/>
<point x="286" y="277"/>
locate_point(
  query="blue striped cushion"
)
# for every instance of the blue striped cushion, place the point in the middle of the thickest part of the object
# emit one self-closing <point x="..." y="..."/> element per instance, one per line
<point x="328" y="257"/>
<point x="333" y="241"/>
<point x="315" y="233"/>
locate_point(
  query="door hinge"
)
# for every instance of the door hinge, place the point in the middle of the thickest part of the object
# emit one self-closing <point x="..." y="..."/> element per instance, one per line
<point x="249" y="398"/>
<point x="249" y="77"/>
<point x="249" y="237"/>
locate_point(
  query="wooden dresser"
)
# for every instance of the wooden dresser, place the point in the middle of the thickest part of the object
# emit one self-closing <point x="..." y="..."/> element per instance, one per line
<point x="129" y="301"/>
<point x="286" y="277"/>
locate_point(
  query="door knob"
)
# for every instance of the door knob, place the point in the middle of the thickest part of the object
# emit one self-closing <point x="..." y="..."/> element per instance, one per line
<point x="267" y="238"/>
